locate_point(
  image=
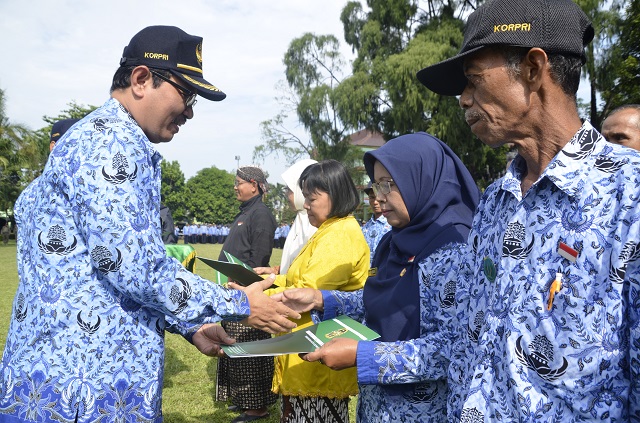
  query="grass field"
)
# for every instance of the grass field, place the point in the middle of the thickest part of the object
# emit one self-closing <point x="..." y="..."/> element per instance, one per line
<point x="189" y="385"/>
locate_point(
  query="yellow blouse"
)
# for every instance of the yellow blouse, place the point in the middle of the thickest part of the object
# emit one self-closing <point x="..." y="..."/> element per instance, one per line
<point x="335" y="257"/>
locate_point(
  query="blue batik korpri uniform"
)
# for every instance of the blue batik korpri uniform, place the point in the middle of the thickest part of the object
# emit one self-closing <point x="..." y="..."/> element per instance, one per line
<point x="507" y="356"/>
<point x="373" y="232"/>
<point x="97" y="290"/>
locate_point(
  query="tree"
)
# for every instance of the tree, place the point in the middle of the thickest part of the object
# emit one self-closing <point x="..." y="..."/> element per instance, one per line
<point x="277" y="201"/>
<point x="17" y="156"/>
<point x="393" y="40"/>
<point x="313" y="70"/>
<point x="173" y="189"/>
<point x="38" y="140"/>
<point x="613" y="60"/>
<point x="209" y="196"/>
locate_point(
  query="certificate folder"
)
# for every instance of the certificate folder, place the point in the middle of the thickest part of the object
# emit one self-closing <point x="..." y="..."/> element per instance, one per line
<point x="237" y="272"/>
<point x="304" y="340"/>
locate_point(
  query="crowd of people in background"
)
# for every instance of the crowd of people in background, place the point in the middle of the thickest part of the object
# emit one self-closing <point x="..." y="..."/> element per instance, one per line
<point x="203" y="233"/>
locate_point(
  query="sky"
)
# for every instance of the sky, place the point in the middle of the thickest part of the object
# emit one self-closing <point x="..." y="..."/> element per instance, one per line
<point x="55" y="52"/>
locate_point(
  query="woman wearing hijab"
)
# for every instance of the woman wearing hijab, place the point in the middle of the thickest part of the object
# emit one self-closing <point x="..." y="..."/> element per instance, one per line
<point x="301" y="230"/>
<point x="428" y="197"/>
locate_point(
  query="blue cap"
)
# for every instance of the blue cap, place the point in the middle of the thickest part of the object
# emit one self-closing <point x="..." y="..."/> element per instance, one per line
<point x="60" y="127"/>
<point x="172" y="49"/>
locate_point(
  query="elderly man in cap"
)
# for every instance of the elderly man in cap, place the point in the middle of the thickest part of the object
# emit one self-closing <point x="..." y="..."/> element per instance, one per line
<point x="549" y="297"/>
<point x="97" y="291"/>
<point x="622" y="126"/>
<point x="540" y="319"/>
<point x="246" y="382"/>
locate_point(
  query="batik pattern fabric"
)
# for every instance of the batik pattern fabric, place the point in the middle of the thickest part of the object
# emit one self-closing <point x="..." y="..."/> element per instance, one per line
<point x="373" y="232"/>
<point x="381" y="366"/>
<point x="97" y="290"/>
<point x="520" y="355"/>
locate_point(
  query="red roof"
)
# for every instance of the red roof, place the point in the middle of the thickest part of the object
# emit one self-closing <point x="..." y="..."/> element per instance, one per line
<point x="366" y="138"/>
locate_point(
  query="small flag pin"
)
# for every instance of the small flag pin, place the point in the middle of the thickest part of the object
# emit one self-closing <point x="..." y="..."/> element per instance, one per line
<point x="567" y="252"/>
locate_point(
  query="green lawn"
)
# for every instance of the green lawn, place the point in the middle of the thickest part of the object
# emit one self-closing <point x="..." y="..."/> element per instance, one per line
<point x="189" y="385"/>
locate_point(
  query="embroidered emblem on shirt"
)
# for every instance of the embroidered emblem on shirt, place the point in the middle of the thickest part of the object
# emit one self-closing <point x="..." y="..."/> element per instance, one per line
<point x="180" y="296"/>
<point x="373" y="271"/>
<point x="423" y="392"/>
<point x="87" y="326"/>
<point x="630" y="252"/>
<point x="471" y="415"/>
<point x="56" y="244"/>
<point x="449" y="295"/>
<point x="540" y="357"/>
<point x="607" y="165"/>
<point x="120" y="164"/>
<point x="21" y="308"/>
<point x="103" y="257"/>
<point x="514" y="242"/>
<point x="586" y="140"/>
<point x="478" y="322"/>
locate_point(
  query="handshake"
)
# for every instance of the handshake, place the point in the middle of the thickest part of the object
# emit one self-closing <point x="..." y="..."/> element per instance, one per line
<point x="270" y="314"/>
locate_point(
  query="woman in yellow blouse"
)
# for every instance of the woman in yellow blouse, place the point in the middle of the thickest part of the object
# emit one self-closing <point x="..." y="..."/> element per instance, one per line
<point x="335" y="257"/>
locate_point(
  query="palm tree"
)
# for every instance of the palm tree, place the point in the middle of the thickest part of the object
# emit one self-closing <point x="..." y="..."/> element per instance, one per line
<point x="18" y="153"/>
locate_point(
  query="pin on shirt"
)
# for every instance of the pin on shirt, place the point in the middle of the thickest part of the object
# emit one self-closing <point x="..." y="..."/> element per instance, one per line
<point x="556" y="286"/>
<point x="567" y="252"/>
<point x="405" y="269"/>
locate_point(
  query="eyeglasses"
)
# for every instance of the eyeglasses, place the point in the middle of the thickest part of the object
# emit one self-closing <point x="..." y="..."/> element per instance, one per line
<point x="188" y="96"/>
<point x="383" y="187"/>
<point x="240" y="182"/>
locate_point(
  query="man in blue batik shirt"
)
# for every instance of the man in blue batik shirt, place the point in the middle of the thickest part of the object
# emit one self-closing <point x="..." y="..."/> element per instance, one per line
<point x="549" y="297"/>
<point x="97" y="290"/>
<point x="376" y="226"/>
<point x="539" y="320"/>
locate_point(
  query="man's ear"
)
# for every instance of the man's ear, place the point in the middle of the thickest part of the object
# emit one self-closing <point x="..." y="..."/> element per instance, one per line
<point x="535" y="68"/>
<point x="140" y="80"/>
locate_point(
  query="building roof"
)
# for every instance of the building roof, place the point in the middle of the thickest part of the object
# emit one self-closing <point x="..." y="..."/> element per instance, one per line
<point x="366" y="138"/>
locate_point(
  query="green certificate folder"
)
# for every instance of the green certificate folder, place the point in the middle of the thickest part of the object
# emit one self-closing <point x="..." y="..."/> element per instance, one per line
<point x="232" y="269"/>
<point x="304" y="340"/>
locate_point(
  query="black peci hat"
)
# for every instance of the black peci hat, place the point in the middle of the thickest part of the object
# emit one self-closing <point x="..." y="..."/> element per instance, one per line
<point x="368" y="189"/>
<point x="170" y="48"/>
<point x="60" y="127"/>
<point x="556" y="26"/>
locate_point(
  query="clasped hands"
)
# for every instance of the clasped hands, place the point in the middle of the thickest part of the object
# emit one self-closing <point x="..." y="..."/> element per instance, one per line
<point x="265" y="314"/>
<point x="337" y="354"/>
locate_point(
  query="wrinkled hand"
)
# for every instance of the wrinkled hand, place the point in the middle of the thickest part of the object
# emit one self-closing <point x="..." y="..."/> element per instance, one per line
<point x="337" y="354"/>
<point x="266" y="314"/>
<point x="301" y="299"/>
<point x="208" y="339"/>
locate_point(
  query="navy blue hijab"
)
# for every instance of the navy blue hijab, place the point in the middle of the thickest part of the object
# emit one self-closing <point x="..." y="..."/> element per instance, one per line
<point x="441" y="197"/>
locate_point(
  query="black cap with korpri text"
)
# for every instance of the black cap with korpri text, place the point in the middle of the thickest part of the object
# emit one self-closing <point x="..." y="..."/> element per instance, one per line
<point x="172" y="49"/>
<point x="556" y="26"/>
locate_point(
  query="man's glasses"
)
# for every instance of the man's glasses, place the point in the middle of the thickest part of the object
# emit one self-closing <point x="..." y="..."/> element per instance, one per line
<point x="239" y="182"/>
<point x="383" y="187"/>
<point x="188" y="96"/>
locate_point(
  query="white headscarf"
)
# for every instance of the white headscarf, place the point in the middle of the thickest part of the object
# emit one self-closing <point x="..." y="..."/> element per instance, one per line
<point x="301" y="229"/>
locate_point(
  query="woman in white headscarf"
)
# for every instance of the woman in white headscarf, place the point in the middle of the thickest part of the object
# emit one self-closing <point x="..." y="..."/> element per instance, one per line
<point x="301" y="229"/>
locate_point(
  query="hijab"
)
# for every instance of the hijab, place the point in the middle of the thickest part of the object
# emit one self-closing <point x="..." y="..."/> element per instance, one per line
<point x="301" y="230"/>
<point x="441" y="197"/>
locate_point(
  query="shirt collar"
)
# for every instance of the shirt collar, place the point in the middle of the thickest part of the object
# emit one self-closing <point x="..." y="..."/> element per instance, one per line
<point x="565" y="168"/>
<point x="122" y="113"/>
